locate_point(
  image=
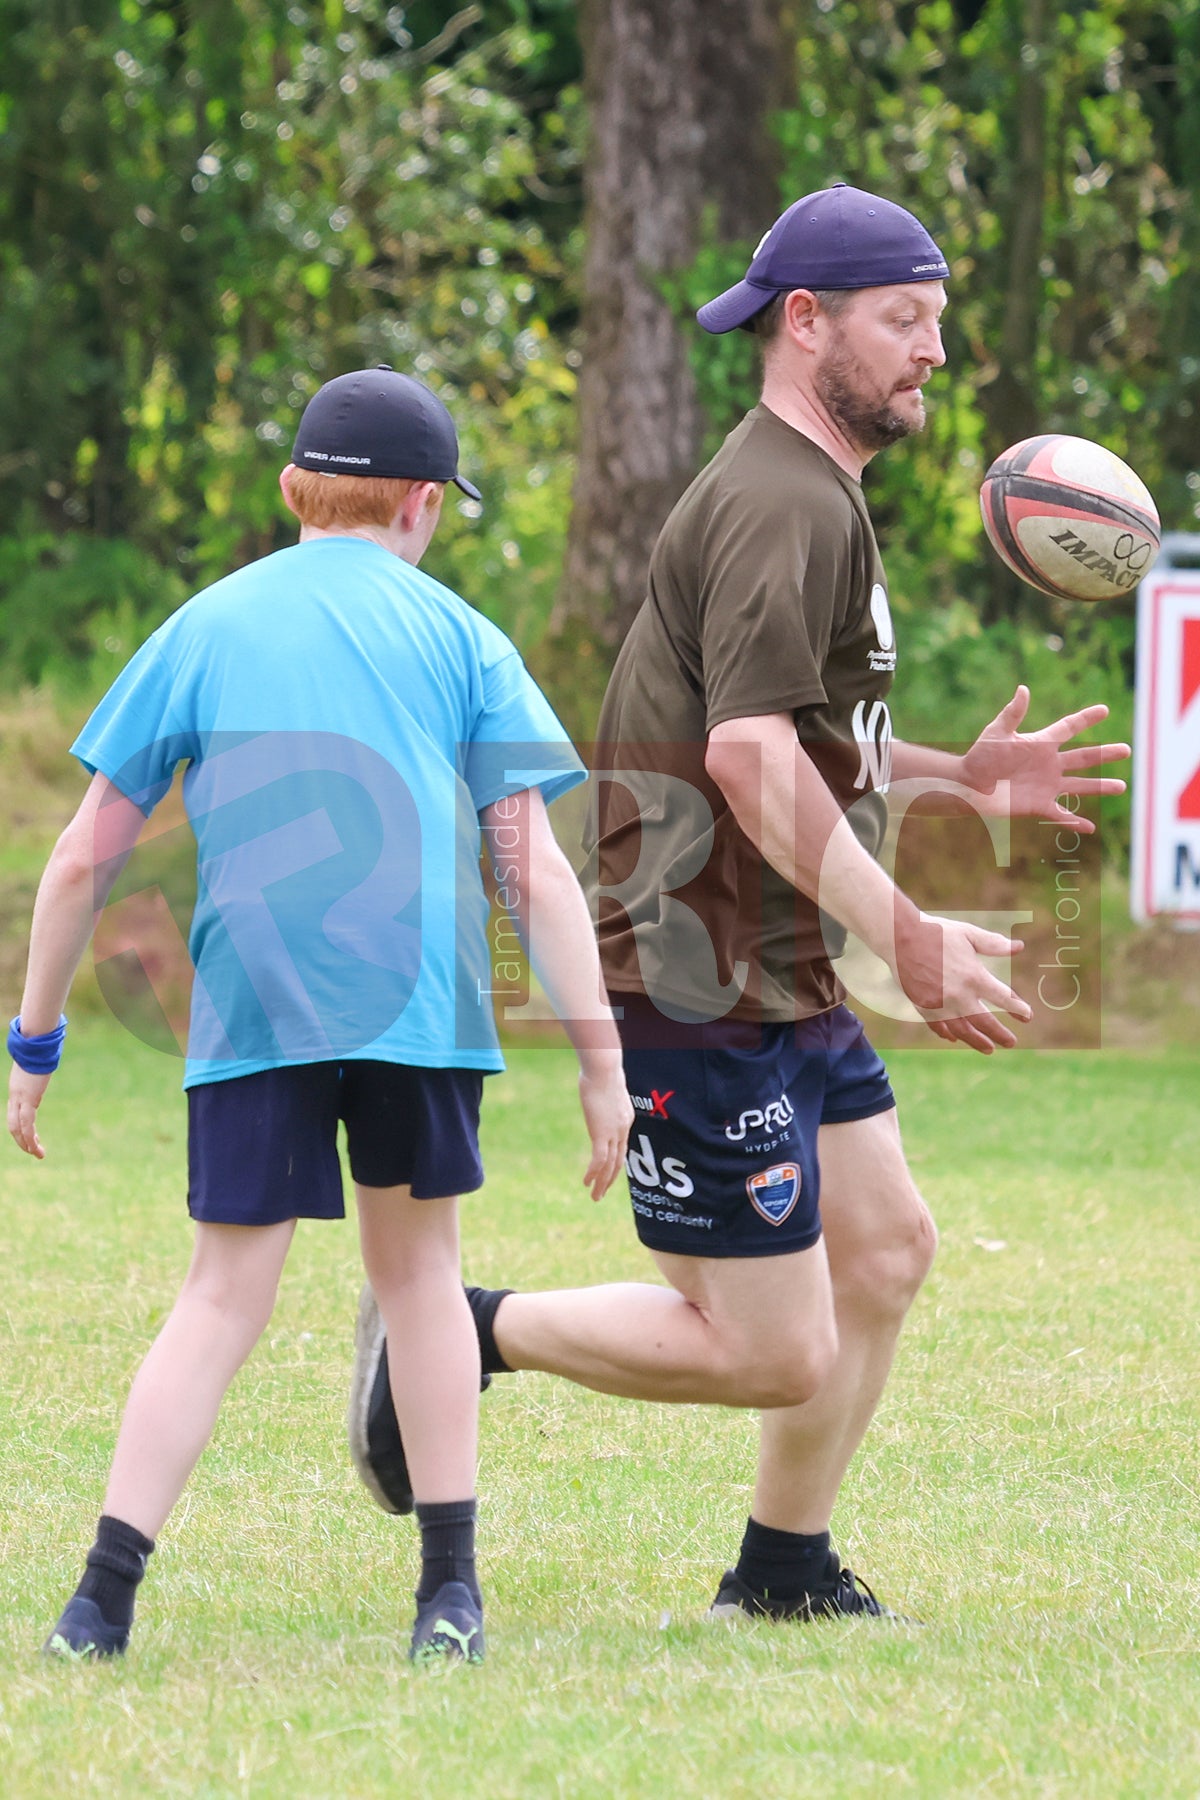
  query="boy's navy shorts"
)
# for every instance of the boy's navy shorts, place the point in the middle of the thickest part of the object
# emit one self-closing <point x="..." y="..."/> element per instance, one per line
<point x="723" y="1151"/>
<point x="263" y="1148"/>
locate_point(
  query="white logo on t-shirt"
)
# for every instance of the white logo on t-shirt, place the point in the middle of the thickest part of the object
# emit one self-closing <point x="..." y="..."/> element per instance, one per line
<point x="883" y="660"/>
<point x="881" y="612"/>
<point x="873" y="735"/>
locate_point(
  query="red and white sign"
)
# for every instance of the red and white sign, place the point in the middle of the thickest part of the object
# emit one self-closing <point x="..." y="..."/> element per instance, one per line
<point x="1166" y="790"/>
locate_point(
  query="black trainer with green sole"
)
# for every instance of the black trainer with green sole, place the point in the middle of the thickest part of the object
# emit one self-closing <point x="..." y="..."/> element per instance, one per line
<point x="83" y="1634"/>
<point x="449" y="1627"/>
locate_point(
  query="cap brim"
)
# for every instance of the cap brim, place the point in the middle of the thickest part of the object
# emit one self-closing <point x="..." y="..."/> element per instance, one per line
<point x="736" y="306"/>
<point x="468" y="487"/>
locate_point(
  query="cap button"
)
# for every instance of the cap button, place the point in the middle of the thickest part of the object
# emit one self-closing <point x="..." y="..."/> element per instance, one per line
<point x="386" y="366"/>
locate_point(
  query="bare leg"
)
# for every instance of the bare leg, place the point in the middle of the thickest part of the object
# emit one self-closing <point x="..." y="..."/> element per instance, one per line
<point x="410" y="1253"/>
<point x="881" y="1242"/>
<point x="227" y="1297"/>
<point x="733" y="1332"/>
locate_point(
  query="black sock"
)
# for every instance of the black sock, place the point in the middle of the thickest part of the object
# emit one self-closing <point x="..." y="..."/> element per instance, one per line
<point x="447" y="1545"/>
<point x="783" y="1565"/>
<point x="483" y="1303"/>
<point x="116" y="1563"/>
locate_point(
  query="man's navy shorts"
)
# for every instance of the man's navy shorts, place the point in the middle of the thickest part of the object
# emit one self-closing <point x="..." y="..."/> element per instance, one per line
<point x="263" y="1148"/>
<point x="723" y="1151"/>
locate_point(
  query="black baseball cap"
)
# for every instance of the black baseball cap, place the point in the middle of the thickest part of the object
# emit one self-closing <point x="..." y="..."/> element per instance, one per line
<point x="840" y="237"/>
<point x="376" y="422"/>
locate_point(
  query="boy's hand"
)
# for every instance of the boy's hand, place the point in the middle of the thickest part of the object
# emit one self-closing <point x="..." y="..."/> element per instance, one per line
<point x="24" y="1097"/>
<point x="608" y="1114"/>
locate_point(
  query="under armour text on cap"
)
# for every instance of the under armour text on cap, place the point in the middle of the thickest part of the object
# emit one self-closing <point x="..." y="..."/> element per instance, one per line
<point x="840" y="237"/>
<point x="376" y="422"/>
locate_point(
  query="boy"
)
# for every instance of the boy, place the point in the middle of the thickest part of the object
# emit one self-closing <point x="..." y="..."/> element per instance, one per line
<point x="347" y="724"/>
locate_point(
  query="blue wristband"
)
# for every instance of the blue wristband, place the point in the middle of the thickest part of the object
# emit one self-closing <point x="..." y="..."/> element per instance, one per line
<point x="37" y="1055"/>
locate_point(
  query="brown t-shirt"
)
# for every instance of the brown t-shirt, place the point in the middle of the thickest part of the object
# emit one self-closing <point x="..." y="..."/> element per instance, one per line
<point x="767" y="595"/>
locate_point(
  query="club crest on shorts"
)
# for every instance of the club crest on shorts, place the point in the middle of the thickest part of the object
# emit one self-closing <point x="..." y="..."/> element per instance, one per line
<point x="774" y="1192"/>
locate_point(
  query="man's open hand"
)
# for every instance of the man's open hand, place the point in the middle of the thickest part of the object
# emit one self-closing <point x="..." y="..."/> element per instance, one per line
<point x="939" y="965"/>
<point x="1037" y="767"/>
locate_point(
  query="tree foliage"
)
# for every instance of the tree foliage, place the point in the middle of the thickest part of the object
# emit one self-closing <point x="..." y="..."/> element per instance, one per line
<point x="209" y="208"/>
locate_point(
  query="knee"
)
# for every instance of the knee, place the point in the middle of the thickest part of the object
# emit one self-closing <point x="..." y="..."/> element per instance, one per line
<point x="887" y="1271"/>
<point x="239" y="1302"/>
<point x="789" y="1370"/>
<point x="397" y="1277"/>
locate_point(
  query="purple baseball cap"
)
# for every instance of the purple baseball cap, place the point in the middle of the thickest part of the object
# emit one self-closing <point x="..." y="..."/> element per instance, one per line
<point x="840" y="237"/>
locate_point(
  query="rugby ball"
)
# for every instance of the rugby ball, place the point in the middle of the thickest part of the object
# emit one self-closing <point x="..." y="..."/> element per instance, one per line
<point x="1070" y="518"/>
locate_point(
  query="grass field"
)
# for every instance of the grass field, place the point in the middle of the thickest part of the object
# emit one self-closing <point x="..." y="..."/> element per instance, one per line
<point x="1031" y="1490"/>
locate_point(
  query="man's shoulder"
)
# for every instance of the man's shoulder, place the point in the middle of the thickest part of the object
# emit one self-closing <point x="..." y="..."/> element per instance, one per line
<point x="767" y="485"/>
<point x="766" y="471"/>
<point x="766" y="454"/>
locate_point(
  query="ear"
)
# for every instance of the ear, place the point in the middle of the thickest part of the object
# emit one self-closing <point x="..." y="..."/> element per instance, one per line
<point x="285" y="487"/>
<point x="423" y="496"/>
<point x="800" y="313"/>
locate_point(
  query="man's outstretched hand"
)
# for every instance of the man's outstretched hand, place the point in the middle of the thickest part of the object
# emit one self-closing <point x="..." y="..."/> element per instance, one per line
<point x="1036" y="765"/>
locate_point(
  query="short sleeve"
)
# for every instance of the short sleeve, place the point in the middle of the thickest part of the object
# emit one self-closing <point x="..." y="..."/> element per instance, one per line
<point x="517" y="741"/>
<point x="767" y="601"/>
<point x="133" y="736"/>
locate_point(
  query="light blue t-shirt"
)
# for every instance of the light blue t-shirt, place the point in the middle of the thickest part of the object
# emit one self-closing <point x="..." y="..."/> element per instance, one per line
<point x="344" y="719"/>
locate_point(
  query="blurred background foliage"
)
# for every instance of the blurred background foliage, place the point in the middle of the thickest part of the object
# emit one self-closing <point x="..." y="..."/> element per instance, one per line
<point x="210" y="206"/>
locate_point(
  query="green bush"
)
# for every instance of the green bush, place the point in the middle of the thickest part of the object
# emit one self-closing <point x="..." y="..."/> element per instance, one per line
<point x="73" y="606"/>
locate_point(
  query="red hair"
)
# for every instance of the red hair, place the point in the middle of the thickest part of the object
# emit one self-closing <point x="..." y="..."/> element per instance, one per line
<point x="326" y="501"/>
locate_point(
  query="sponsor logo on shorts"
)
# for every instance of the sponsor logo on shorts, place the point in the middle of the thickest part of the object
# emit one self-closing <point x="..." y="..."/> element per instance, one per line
<point x="774" y="1192"/>
<point x="643" y="1168"/>
<point x="774" y="1117"/>
<point x="653" y="1102"/>
<point x="651" y="1206"/>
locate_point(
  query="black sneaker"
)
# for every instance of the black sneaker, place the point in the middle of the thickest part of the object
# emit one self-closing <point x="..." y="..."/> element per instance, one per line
<point x="376" y="1446"/>
<point x="83" y="1634"/>
<point x="845" y="1596"/>
<point x="449" y="1627"/>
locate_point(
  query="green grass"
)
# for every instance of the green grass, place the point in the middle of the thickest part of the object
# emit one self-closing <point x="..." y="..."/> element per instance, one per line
<point x="1031" y="1488"/>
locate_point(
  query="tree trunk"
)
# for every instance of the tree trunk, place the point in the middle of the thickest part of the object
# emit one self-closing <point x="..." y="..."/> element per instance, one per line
<point x="1010" y="402"/>
<point x="679" y="92"/>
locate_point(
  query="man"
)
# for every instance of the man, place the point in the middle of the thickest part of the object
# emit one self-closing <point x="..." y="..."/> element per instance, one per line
<point x="347" y="723"/>
<point x="745" y="751"/>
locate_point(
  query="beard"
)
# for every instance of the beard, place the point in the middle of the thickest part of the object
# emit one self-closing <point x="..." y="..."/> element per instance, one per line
<point x="868" y="420"/>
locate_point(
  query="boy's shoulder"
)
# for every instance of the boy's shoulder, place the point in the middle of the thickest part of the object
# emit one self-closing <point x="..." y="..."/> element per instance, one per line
<point x="319" y="570"/>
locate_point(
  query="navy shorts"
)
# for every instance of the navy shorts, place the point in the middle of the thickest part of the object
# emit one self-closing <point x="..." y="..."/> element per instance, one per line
<point x="723" y="1151"/>
<point x="263" y="1148"/>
